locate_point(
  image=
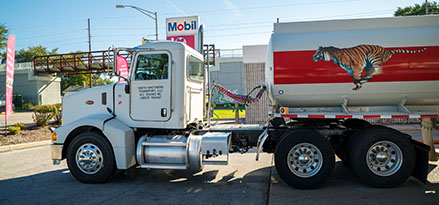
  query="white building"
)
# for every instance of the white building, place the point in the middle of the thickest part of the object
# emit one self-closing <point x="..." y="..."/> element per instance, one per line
<point x="39" y="90"/>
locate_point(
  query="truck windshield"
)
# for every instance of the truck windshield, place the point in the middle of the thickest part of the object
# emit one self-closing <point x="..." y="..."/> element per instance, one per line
<point x="196" y="69"/>
<point x="152" y="67"/>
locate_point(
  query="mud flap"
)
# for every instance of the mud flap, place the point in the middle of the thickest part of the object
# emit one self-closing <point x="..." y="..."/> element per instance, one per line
<point x="421" y="167"/>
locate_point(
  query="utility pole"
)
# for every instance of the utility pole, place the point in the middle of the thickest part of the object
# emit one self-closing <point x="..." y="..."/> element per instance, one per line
<point x="426" y="7"/>
<point x="156" y="27"/>
<point x="89" y="51"/>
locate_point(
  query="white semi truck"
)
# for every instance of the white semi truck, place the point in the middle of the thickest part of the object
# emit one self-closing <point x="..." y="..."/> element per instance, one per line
<point x="323" y="80"/>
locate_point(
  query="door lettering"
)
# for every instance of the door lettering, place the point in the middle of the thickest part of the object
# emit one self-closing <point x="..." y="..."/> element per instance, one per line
<point x="150" y="92"/>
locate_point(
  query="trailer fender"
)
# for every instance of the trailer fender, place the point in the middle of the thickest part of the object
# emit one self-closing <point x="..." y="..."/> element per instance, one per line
<point x="122" y="140"/>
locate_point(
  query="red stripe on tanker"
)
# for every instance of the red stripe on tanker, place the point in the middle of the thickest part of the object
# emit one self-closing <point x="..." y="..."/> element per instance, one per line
<point x="298" y="67"/>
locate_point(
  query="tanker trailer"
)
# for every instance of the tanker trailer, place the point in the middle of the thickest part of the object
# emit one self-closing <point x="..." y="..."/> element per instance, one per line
<point x="326" y="78"/>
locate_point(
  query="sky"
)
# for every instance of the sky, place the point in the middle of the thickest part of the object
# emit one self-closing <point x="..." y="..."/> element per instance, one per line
<point x="228" y="24"/>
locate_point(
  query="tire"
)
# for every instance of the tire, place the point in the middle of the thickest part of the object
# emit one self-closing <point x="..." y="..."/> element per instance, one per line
<point x="314" y="168"/>
<point x="382" y="157"/>
<point x="356" y="125"/>
<point x="100" y="165"/>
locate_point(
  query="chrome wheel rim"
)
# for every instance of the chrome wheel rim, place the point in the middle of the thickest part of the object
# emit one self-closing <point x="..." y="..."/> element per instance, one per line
<point x="89" y="158"/>
<point x="384" y="158"/>
<point x="305" y="160"/>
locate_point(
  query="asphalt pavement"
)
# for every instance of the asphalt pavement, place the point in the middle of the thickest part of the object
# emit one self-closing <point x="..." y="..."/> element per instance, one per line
<point x="28" y="176"/>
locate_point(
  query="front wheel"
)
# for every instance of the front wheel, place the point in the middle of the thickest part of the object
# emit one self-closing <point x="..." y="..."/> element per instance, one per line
<point x="304" y="159"/>
<point x="90" y="158"/>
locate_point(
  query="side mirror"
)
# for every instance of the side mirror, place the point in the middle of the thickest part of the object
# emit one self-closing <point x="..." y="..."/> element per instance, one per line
<point x="127" y="88"/>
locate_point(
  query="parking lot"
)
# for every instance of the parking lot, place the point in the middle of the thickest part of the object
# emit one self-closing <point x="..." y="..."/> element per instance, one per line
<point x="28" y="176"/>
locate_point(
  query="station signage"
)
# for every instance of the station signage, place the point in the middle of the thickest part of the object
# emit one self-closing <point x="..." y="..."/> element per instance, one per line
<point x="182" y="26"/>
<point x="184" y="29"/>
<point x="188" y="40"/>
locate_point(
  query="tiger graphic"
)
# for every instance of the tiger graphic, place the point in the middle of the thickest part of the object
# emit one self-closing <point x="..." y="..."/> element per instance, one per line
<point x="356" y="59"/>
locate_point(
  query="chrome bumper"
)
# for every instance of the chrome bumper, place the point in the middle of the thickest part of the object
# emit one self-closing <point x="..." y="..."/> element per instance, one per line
<point x="56" y="153"/>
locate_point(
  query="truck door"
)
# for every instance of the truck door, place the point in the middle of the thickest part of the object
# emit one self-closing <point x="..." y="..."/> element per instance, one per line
<point x="151" y="86"/>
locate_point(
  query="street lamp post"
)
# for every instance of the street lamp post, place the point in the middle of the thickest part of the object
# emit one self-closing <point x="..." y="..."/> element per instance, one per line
<point x="150" y="14"/>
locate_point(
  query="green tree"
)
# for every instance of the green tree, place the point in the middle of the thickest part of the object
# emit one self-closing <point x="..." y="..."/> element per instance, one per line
<point x="433" y="8"/>
<point x="27" y="55"/>
<point x="3" y="41"/>
<point x="81" y="79"/>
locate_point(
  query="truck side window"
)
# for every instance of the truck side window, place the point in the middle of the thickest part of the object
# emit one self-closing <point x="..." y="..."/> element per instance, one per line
<point x="196" y="69"/>
<point x="152" y="67"/>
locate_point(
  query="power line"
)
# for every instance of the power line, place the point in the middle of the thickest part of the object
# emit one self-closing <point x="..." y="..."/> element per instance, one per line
<point x="364" y="14"/>
<point x="238" y="28"/>
<point x="267" y="6"/>
<point x="45" y="42"/>
<point x="230" y="26"/>
<point x="58" y="45"/>
<point x="239" y="34"/>
<point x="50" y="34"/>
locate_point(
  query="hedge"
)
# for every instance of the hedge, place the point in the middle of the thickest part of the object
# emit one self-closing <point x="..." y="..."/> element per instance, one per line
<point x="14" y="130"/>
<point x="44" y="113"/>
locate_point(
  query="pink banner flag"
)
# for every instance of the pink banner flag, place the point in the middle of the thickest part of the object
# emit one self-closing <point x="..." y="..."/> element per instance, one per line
<point x="10" y="63"/>
<point x="122" y="68"/>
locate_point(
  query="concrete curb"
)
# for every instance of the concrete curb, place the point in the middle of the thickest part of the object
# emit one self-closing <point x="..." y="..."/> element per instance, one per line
<point x="7" y="148"/>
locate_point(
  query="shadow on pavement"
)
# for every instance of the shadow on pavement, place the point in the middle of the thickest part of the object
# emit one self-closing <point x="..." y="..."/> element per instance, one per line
<point x="150" y="187"/>
<point x="208" y="187"/>
<point x="344" y="187"/>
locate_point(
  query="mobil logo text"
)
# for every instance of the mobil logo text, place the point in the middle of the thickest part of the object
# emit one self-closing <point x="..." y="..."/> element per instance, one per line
<point x="185" y="26"/>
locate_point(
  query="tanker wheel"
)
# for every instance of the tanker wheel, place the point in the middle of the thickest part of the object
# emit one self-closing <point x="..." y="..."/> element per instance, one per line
<point x="304" y="159"/>
<point x="382" y="157"/>
<point x="357" y="125"/>
<point x="90" y="158"/>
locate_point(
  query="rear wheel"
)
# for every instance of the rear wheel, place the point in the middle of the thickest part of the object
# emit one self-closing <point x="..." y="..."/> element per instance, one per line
<point x="304" y="159"/>
<point x="354" y="125"/>
<point x="90" y="158"/>
<point x="382" y="157"/>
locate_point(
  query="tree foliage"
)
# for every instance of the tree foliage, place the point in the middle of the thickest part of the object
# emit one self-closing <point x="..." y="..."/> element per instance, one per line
<point x="3" y="41"/>
<point x="81" y="79"/>
<point x="433" y="8"/>
<point x="27" y="55"/>
<point x="3" y="36"/>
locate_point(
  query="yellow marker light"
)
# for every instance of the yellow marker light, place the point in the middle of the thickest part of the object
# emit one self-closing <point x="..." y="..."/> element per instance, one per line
<point x="54" y="137"/>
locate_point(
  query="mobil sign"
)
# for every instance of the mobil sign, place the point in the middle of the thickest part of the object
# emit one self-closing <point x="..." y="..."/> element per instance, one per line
<point x="182" y="26"/>
<point x="185" y="30"/>
<point x="188" y="39"/>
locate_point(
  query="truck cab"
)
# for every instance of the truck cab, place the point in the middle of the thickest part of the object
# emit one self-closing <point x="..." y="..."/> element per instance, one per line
<point x="164" y="89"/>
<point x="151" y="120"/>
